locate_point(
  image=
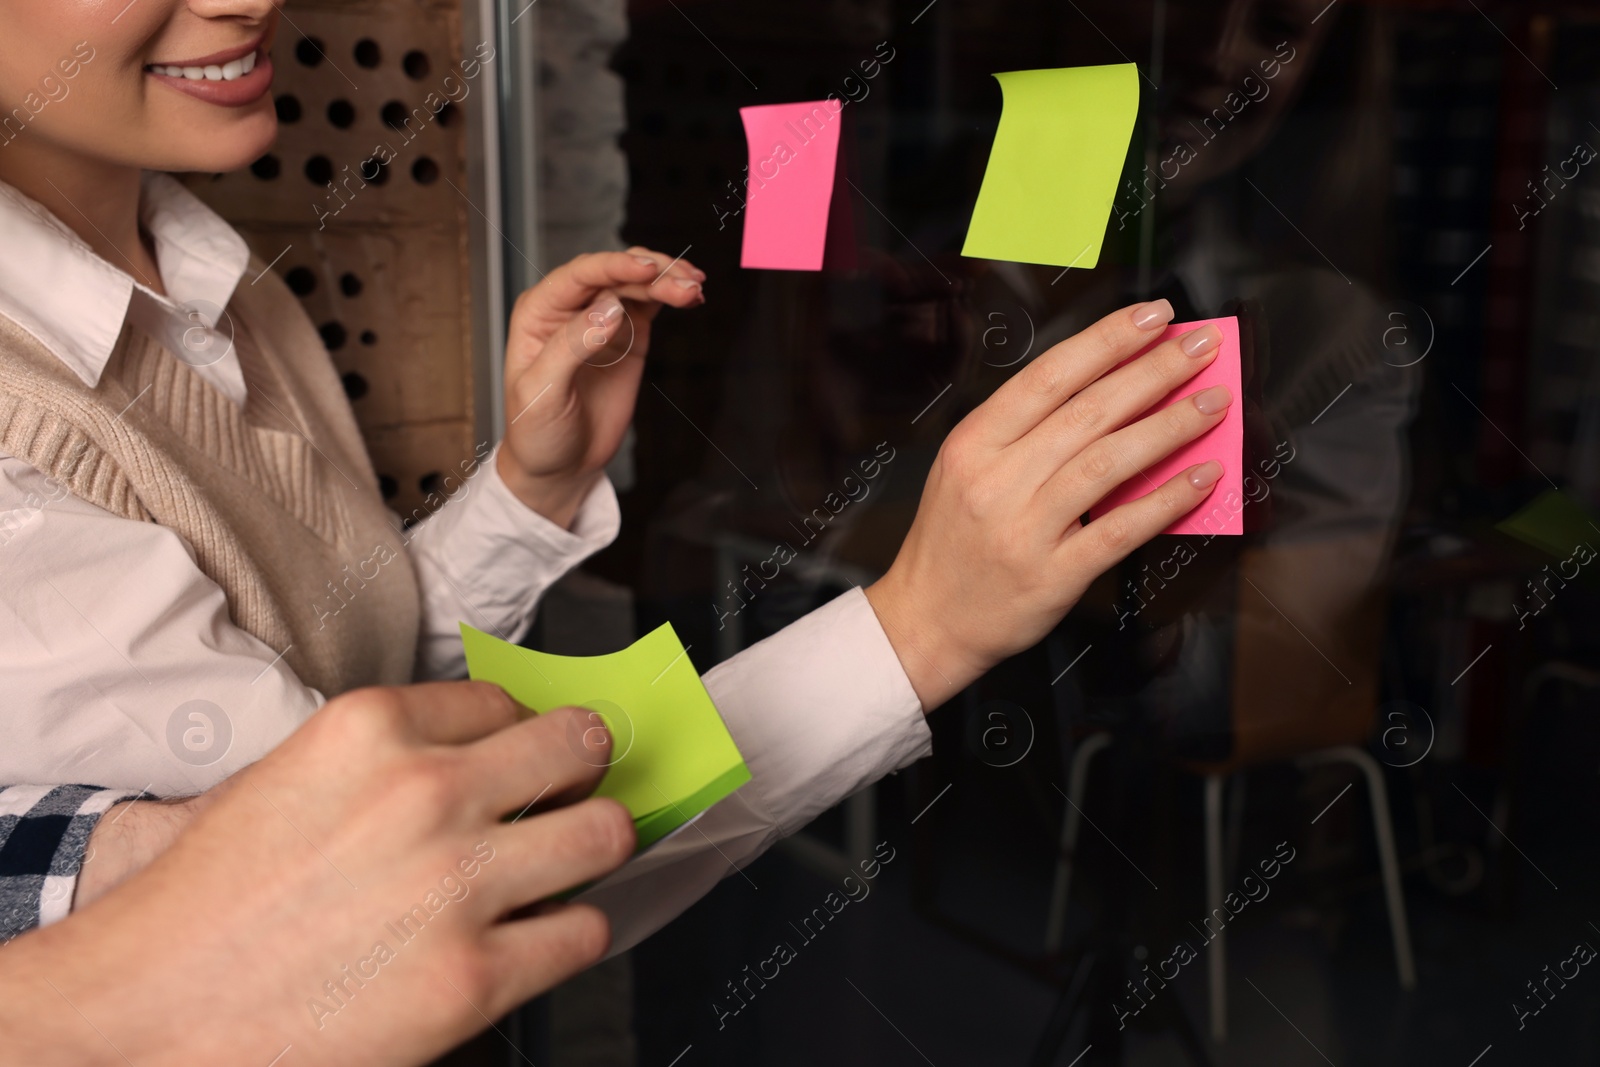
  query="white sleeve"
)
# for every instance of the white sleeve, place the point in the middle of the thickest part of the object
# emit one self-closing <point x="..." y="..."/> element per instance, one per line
<point x="818" y="710"/>
<point x="486" y="558"/>
<point x="122" y="666"/>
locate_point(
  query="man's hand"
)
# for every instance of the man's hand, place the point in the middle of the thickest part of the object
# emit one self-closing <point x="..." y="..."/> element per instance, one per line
<point x="130" y="836"/>
<point x="574" y="357"/>
<point x="359" y="895"/>
<point x="998" y="553"/>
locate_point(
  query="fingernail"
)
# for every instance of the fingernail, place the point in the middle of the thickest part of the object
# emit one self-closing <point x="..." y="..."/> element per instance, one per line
<point x="1210" y="401"/>
<point x="1199" y="342"/>
<point x="611" y="311"/>
<point x="1205" y="474"/>
<point x="685" y="283"/>
<point x="645" y="259"/>
<point x="1155" y="313"/>
<point x="698" y="273"/>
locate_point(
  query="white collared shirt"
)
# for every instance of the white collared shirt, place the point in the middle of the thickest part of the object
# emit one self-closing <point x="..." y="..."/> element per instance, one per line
<point x="108" y="628"/>
<point x="53" y="285"/>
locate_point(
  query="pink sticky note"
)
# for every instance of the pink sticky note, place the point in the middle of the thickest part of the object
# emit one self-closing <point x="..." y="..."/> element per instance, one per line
<point x="1223" y="511"/>
<point x="794" y="149"/>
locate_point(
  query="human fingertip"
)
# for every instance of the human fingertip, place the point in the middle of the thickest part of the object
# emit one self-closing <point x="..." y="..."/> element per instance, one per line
<point x="1212" y="400"/>
<point x="609" y="834"/>
<point x="597" y="737"/>
<point x="593" y="929"/>
<point x="686" y="283"/>
<point x="647" y="260"/>
<point x="1205" y="475"/>
<point x="587" y="735"/>
<point x="1199" y="342"/>
<point x="624" y="834"/>
<point x="1150" y="315"/>
<point x="493" y="693"/>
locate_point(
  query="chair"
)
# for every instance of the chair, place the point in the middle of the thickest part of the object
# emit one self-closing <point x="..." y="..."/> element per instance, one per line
<point x="1305" y="688"/>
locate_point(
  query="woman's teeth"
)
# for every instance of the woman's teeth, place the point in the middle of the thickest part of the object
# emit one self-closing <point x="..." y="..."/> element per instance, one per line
<point x="238" y="68"/>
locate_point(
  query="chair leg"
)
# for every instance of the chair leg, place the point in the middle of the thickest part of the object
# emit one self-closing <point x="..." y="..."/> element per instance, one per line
<point x="1216" y="960"/>
<point x="861" y="823"/>
<point x="1071" y="822"/>
<point x="1383" y="826"/>
<point x="1388" y="861"/>
<point x="1233" y="836"/>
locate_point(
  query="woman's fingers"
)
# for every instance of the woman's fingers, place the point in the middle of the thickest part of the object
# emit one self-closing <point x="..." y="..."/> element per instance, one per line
<point x="677" y="268"/>
<point x="1060" y="373"/>
<point x="677" y="281"/>
<point x="1097" y="547"/>
<point x="588" y="335"/>
<point x="1108" y="404"/>
<point x="541" y="855"/>
<point x="600" y="336"/>
<point x="573" y="285"/>
<point x="637" y="274"/>
<point x="1088" y="477"/>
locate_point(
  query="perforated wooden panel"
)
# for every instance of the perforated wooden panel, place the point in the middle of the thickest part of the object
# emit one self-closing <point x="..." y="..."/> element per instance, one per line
<point x="362" y="204"/>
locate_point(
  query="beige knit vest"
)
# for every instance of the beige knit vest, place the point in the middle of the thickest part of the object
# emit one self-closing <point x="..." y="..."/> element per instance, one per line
<point x="278" y="501"/>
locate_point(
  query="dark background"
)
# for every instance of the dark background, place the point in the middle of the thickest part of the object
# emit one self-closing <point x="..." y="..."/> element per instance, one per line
<point x="1428" y="396"/>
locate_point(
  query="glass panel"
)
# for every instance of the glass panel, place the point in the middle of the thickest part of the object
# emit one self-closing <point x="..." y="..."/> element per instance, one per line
<point x="1398" y="203"/>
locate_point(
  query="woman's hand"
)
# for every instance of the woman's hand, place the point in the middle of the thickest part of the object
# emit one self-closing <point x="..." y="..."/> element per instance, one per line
<point x="574" y="356"/>
<point x="998" y="553"/>
<point x="358" y="895"/>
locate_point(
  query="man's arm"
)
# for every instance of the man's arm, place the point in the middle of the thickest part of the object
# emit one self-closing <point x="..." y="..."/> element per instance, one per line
<point x="45" y="834"/>
<point x="347" y="897"/>
<point x="122" y="668"/>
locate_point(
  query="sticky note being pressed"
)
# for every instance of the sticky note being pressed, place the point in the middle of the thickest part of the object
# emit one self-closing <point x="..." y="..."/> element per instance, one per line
<point x="1053" y="170"/>
<point x="1223" y="511"/>
<point x="794" y="151"/>
<point x="671" y="758"/>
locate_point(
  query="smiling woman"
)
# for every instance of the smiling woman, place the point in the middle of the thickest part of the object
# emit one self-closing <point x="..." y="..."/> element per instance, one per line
<point x="82" y="160"/>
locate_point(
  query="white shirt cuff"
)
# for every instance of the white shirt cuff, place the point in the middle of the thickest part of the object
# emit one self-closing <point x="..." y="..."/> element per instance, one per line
<point x="489" y="521"/>
<point x="486" y="558"/>
<point x="820" y="710"/>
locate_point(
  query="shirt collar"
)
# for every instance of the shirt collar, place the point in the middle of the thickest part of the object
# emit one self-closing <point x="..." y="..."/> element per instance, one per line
<point x="75" y="303"/>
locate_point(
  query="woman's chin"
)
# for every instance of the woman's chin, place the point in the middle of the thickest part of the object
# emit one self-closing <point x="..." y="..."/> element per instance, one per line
<point x="242" y="143"/>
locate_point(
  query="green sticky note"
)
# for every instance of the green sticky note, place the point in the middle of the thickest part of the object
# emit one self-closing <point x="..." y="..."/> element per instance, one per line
<point x="1553" y="523"/>
<point x="1053" y="170"/>
<point x="671" y="757"/>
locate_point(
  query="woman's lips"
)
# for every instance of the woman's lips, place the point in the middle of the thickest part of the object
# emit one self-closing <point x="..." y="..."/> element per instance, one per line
<point x="213" y="85"/>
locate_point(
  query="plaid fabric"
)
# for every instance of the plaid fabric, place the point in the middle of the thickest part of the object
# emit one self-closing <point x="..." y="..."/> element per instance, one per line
<point x="44" y="831"/>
